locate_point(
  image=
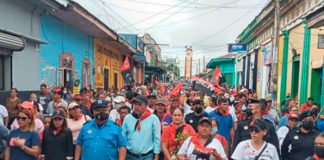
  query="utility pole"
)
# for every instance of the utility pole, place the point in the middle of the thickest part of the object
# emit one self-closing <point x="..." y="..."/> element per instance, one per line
<point x="198" y="66"/>
<point x="276" y="29"/>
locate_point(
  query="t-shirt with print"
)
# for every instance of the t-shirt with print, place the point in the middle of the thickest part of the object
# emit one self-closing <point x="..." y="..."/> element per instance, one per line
<point x="245" y="151"/>
<point x="189" y="149"/>
<point x="31" y="139"/>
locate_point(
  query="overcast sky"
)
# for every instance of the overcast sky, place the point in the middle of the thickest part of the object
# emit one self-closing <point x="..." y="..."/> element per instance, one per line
<point x="206" y="25"/>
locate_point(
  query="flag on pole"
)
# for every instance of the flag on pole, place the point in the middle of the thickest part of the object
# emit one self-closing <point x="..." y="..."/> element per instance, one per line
<point x="126" y="72"/>
<point x="205" y="86"/>
<point x="219" y="78"/>
<point x="176" y="90"/>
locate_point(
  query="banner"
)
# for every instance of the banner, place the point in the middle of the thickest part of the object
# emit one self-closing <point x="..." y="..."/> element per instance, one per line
<point x="126" y="72"/>
<point x="205" y="86"/>
<point x="237" y="48"/>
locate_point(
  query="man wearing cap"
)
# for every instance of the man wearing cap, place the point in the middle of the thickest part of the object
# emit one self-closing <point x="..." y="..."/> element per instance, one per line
<point x="193" y="118"/>
<point x="151" y="102"/>
<point x="301" y="139"/>
<point x="283" y="131"/>
<point x="161" y="112"/>
<point x="100" y="138"/>
<point x="118" y="101"/>
<point x="57" y="100"/>
<point x="256" y="107"/>
<point x="143" y="132"/>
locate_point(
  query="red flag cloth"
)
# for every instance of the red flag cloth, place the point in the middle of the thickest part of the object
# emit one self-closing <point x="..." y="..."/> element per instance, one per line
<point x="176" y="90"/>
<point x="219" y="79"/>
<point x="126" y="65"/>
<point x="146" y="114"/>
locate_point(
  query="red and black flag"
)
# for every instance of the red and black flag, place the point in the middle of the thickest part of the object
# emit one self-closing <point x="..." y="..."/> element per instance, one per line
<point x="219" y="78"/>
<point x="200" y="84"/>
<point x="126" y="72"/>
<point x="176" y="90"/>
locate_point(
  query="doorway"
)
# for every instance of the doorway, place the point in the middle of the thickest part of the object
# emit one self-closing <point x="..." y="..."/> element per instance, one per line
<point x="67" y="78"/>
<point x="295" y="77"/>
<point x="115" y="80"/>
<point x="106" y="79"/>
<point x="316" y="85"/>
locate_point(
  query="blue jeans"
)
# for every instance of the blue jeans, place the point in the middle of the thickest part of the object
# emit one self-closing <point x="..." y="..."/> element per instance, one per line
<point x="147" y="157"/>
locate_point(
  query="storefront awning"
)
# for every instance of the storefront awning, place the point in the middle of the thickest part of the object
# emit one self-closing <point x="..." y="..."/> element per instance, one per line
<point x="139" y="58"/>
<point x="154" y="70"/>
<point x="11" y="42"/>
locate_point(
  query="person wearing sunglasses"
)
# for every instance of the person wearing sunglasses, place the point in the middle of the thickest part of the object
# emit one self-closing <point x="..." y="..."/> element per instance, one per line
<point x="23" y="142"/>
<point x="76" y="120"/>
<point x="256" y="107"/>
<point x="256" y="148"/>
<point x="57" y="139"/>
<point x="283" y="131"/>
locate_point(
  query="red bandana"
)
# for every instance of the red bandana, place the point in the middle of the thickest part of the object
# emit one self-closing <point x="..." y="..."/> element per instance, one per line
<point x="199" y="146"/>
<point x="146" y="114"/>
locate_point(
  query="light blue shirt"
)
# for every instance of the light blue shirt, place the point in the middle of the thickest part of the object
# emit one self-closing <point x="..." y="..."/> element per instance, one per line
<point x="145" y="140"/>
<point x="101" y="143"/>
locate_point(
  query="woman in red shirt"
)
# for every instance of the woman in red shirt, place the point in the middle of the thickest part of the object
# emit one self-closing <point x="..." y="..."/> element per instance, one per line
<point x="174" y="135"/>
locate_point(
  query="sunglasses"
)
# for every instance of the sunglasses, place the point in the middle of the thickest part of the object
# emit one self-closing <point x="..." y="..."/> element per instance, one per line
<point x="22" y="118"/>
<point x="57" y="119"/>
<point x="254" y="129"/>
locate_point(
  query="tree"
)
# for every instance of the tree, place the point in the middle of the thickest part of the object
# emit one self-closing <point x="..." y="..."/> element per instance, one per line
<point x="173" y="68"/>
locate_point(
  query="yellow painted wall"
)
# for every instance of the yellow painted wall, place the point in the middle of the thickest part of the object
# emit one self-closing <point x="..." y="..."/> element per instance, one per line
<point x="259" y="72"/>
<point x="296" y="41"/>
<point x="316" y="55"/>
<point x="280" y="54"/>
<point x="106" y="56"/>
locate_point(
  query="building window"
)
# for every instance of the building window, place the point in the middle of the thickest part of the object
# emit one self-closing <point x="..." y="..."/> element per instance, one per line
<point x="86" y="73"/>
<point x="320" y="44"/>
<point x="5" y="70"/>
<point x="66" y="72"/>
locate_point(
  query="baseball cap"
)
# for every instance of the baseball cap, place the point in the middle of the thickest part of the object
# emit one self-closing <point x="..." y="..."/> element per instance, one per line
<point x="198" y="101"/>
<point x="100" y="104"/>
<point x="203" y="120"/>
<point x="161" y="101"/>
<point x="27" y="105"/>
<point x="119" y="99"/>
<point x="58" y="114"/>
<point x="130" y="94"/>
<point x="141" y="99"/>
<point x="72" y="105"/>
<point x="260" y="124"/>
<point x="293" y="116"/>
<point x="305" y="114"/>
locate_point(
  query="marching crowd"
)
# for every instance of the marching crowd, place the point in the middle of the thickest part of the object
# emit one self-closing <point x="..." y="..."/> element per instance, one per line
<point x="145" y="123"/>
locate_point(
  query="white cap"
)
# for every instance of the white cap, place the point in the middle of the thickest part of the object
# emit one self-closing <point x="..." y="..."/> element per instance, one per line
<point x="119" y="99"/>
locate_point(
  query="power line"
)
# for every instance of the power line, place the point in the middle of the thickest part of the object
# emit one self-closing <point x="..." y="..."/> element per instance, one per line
<point x="119" y="15"/>
<point x="223" y="29"/>
<point x="145" y="19"/>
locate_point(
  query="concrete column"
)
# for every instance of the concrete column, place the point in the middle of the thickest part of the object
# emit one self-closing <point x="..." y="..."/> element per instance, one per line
<point x="305" y="64"/>
<point x="284" y="66"/>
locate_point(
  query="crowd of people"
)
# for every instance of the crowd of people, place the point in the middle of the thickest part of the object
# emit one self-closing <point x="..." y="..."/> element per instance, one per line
<point x="145" y="123"/>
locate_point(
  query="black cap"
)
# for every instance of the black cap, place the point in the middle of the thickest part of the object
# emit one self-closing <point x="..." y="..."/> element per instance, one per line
<point x="261" y="101"/>
<point x="305" y="114"/>
<point x="141" y="99"/>
<point x="203" y="120"/>
<point x="260" y="124"/>
<point x="198" y="101"/>
<point x="131" y="94"/>
<point x="58" y="114"/>
<point x="100" y="104"/>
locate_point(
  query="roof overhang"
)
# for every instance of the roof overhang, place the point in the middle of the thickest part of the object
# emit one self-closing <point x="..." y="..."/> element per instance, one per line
<point x="154" y="70"/>
<point x="216" y="61"/>
<point x="316" y="18"/>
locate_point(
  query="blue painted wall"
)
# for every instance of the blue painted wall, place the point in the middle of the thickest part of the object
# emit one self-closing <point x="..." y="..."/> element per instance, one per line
<point x="61" y="38"/>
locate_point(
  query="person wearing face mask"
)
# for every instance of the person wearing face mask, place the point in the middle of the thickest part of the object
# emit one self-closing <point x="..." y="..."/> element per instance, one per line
<point x="100" y="138"/>
<point x="219" y="137"/>
<point x="318" y="148"/>
<point x="193" y="118"/>
<point x="117" y="103"/>
<point x="301" y="139"/>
